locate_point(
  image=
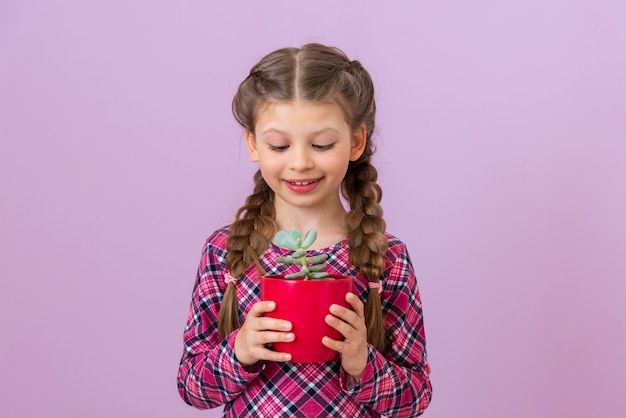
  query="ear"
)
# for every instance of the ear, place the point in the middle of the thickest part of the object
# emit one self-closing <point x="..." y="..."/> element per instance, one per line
<point x="252" y="149"/>
<point x="359" y="139"/>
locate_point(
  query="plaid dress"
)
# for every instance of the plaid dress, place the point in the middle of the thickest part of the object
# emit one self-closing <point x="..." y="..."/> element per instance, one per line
<point x="394" y="384"/>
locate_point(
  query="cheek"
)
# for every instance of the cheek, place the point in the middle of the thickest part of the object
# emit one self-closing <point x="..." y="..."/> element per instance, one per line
<point x="267" y="175"/>
<point x="339" y="163"/>
<point x="269" y="166"/>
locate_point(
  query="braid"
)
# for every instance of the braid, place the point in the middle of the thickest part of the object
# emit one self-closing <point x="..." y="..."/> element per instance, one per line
<point x="366" y="239"/>
<point x="249" y="235"/>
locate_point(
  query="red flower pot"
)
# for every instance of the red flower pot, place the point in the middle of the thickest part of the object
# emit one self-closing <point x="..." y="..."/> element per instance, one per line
<point x="305" y="303"/>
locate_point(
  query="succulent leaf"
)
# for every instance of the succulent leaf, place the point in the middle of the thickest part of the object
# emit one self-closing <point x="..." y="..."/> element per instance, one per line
<point x="298" y="254"/>
<point x="311" y="267"/>
<point x="309" y="238"/>
<point x="284" y="240"/>
<point x="319" y="275"/>
<point x="294" y="275"/>
<point x="295" y="235"/>
<point x="317" y="259"/>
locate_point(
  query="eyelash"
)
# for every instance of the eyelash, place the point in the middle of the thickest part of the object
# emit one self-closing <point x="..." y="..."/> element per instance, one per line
<point x="323" y="147"/>
<point x="278" y="148"/>
<point x="281" y="148"/>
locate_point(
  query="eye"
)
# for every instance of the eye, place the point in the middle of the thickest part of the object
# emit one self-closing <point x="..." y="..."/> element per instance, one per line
<point x="323" y="147"/>
<point x="278" y="148"/>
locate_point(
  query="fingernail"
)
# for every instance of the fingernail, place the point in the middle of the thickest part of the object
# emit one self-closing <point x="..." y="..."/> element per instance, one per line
<point x="286" y="325"/>
<point x="290" y="337"/>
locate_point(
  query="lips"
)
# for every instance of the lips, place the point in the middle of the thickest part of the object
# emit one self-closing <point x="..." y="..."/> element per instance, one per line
<point x="302" y="185"/>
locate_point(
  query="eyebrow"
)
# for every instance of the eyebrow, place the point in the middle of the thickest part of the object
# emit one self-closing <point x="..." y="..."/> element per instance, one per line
<point x="313" y="134"/>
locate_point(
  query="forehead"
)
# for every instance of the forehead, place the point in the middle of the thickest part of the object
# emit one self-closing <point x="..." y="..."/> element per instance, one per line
<point x="300" y="116"/>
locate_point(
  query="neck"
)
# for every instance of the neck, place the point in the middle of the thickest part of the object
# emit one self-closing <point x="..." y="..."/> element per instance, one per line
<point x="329" y="223"/>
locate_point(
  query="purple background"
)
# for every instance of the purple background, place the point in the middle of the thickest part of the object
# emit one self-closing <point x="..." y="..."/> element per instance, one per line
<point x="502" y="152"/>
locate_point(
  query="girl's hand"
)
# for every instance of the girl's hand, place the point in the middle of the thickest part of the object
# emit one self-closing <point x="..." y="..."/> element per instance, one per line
<point x="351" y="324"/>
<point x="257" y="331"/>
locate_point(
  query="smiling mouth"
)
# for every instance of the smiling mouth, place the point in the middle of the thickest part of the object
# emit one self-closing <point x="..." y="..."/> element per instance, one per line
<point x="302" y="183"/>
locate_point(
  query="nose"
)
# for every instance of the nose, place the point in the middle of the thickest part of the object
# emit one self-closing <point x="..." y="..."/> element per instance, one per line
<point x="300" y="159"/>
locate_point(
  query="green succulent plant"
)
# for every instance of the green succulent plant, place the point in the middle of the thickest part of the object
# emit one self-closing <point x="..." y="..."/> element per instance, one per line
<point x="311" y="266"/>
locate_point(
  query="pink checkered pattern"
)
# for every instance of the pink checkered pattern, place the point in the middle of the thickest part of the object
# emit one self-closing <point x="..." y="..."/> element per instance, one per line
<point x="394" y="384"/>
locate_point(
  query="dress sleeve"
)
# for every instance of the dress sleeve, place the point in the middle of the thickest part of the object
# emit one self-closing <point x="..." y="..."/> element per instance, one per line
<point x="397" y="383"/>
<point x="209" y="374"/>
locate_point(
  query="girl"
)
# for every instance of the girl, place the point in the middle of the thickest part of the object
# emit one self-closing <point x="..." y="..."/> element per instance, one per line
<point x="308" y="116"/>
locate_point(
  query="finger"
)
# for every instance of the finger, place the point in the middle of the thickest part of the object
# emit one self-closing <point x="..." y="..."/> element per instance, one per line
<point x="345" y="315"/>
<point x="338" y="346"/>
<point x="273" y="324"/>
<point x="276" y="337"/>
<point x="356" y="304"/>
<point x="344" y="328"/>
<point x="265" y="354"/>
<point x="259" y="308"/>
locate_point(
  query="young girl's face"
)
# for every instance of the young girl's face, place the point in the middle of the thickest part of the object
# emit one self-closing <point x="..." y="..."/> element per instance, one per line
<point x="303" y="150"/>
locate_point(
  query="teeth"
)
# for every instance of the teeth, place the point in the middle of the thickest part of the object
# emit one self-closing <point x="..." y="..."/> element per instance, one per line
<point x="301" y="183"/>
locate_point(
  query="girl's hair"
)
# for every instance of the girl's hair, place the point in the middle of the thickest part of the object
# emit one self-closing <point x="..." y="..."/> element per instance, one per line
<point x="314" y="73"/>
